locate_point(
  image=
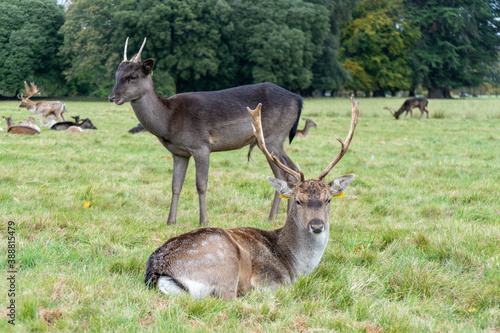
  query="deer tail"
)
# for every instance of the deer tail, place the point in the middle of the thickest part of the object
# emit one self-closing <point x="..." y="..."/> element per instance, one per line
<point x="293" y="131"/>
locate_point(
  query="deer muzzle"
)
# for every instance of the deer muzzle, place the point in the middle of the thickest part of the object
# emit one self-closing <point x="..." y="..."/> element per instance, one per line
<point x="316" y="226"/>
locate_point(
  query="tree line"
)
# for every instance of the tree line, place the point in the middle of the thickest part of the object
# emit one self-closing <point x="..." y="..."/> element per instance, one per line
<point x="306" y="46"/>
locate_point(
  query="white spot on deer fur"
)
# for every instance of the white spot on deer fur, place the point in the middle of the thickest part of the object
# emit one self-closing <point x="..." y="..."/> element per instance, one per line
<point x="194" y="245"/>
<point x="209" y="256"/>
<point x="204" y="243"/>
<point x="220" y="254"/>
<point x="192" y="251"/>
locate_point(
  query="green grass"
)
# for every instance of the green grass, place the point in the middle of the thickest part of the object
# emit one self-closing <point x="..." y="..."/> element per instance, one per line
<point x="414" y="245"/>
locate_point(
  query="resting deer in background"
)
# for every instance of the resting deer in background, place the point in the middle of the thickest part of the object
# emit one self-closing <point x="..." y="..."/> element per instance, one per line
<point x="408" y="106"/>
<point x="23" y="127"/>
<point x="228" y="263"/>
<point x="199" y="123"/>
<point x="43" y="108"/>
<point x="302" y="133"/>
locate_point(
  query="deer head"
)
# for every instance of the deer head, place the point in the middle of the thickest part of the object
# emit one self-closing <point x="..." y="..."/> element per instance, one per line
<point x="30" y="92"/>
<point x="133" y="78"/>
<point x="310" y="199"/>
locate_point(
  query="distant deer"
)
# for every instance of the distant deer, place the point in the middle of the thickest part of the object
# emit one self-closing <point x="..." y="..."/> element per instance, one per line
<point x="227" y="263"/>
<point x="43" y="108"/>
<point x="199" y="123"/>
<point x="408" y="106"/>
<point x="302" y="133"/>
<point x="22" y="127"/>
<point x="83" y="124"/>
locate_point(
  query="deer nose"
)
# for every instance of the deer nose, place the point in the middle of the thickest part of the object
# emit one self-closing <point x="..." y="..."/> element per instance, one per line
<point x="111" y="98"/>
<point x="316" y="226"/>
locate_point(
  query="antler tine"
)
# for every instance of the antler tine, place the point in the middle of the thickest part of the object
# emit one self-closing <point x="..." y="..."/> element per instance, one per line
<point x="137" y="57"/>
<point x="27" y="88"/>
<point x="125" y="51"/>
<point x="390" y="109"/>
<point x="345" y="146"/>
<point x="259" y="135"/>
<point x="34" y="89"/>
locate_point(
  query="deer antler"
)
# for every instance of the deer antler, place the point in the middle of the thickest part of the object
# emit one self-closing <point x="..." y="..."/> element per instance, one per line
<point x="390" y="109"/>
<point x="259" y="134"/>
<point x="345" y="146"/>
<point x="125" y="51"/>
<point x="30" y="91"/>
<point x="137" y="57"/>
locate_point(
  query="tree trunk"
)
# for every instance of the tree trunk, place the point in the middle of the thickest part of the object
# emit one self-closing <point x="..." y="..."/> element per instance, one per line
<point x="439" y="92"/>
<point x="379" y="93"/>
<point x="412" y="93"/>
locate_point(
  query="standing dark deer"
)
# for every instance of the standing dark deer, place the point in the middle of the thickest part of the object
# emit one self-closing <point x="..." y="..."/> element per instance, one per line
<point x="228" y="263"/>
<point x="302" y="133"/>
<point x="43" y="108"/>
<point x="408" y="106"/>
<point x="199" y="123"/>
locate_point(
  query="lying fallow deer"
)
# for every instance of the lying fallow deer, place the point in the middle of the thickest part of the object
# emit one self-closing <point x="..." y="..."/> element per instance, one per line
<point x="22" y="127"/>
<point x="64" y="125"/>
<point x="408" y="106"/>
<point x="43" y="108"/>
<point x="228" y="263"/>
<point x="302" y="133"/>
<point x="197" y="124"/>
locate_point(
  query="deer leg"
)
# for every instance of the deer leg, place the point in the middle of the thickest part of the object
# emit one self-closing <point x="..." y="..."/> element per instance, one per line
<point x="180" y="167"/>
<point x="277" y="200"/>
<point x="202" y="161"/>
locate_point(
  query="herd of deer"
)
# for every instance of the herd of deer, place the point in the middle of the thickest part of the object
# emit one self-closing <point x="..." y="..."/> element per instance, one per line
<point x="212" y="261"/>
<point x="47" y="111"/>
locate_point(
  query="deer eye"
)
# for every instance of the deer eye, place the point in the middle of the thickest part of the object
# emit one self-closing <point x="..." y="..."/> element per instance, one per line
<point x="133" y="77"/>
<point x="298" y="202"/>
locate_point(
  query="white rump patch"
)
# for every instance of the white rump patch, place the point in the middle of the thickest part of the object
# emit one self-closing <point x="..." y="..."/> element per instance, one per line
<point x="196" y="289"/>
<point x="169" y="287"/>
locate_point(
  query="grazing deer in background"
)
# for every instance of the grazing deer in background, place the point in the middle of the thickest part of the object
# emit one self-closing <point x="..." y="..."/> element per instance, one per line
<point x="43" y="108"/>
<point x="302" y="133"/>
<point x="408" y="106"/>
<point x="199" y="123"/>
<point x="228" y="263"/>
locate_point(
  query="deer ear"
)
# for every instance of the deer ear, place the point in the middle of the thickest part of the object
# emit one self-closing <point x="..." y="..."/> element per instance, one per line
<point x="340" y="184"/>
<point x="147" y="66"/>
<point x="281" y="187"/>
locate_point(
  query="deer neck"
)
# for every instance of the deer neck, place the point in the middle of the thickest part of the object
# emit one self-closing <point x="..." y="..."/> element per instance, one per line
<point x="306" y="129"/>
<point x="301" y="249"/>
<point x="152" y="111"/>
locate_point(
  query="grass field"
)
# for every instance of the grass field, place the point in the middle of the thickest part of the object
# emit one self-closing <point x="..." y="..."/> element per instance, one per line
<point x="414" y="244"/>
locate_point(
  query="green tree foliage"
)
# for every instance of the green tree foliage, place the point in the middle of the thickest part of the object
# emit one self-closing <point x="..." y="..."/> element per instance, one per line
<point x="277" y="41"/>
<point x="328" y="71"/>
<point x="88" y="50"/>
<point x="184" y="37"/>
<point x="460" y="40"/>
<point x="29" y="41"/>
<point x="377" y="44"/>
<point x="203" y="44"/>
